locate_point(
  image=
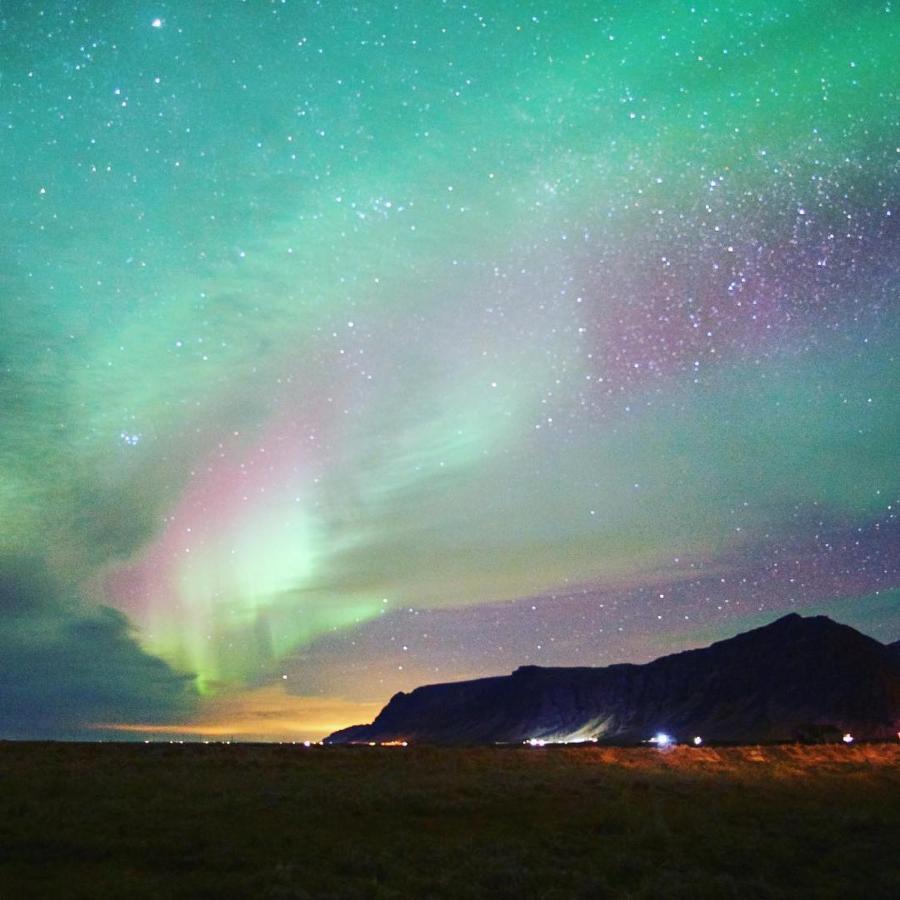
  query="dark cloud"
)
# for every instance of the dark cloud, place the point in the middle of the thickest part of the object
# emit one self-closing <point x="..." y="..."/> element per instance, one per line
<point x="65" y="667"/>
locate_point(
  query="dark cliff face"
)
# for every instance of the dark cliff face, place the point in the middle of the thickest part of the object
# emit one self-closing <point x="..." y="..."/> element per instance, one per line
<point x="795" y="676"/>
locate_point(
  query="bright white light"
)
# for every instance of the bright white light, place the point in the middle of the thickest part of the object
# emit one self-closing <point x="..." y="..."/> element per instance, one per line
<point x="661" y="739"/>
<point x="535" y="742"/>
<point x="848" y="738"/>
<point x="698" y="741"/>
<point x="157" y="23"/>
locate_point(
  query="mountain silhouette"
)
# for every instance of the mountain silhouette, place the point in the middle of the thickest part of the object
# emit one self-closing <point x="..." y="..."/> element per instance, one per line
<point x="796" y="678"/>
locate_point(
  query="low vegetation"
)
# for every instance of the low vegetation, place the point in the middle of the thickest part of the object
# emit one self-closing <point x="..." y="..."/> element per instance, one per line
<point x="283" y="821"/>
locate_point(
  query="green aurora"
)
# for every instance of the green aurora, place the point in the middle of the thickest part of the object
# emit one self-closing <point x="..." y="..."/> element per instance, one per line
<point x="312" y="312"/>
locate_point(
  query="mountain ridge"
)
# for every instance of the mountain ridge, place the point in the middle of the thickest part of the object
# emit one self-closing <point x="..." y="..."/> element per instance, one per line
<point x="794" y="677"/>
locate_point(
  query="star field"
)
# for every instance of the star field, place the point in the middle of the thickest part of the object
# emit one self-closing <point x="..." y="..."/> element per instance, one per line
<point x="349" y="346"/>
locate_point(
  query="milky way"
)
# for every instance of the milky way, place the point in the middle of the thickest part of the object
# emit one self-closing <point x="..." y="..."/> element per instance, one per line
<point x="349" y="346"/>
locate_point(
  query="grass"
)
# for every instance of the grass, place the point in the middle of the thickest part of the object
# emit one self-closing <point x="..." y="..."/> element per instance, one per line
<point x="281" y="821"/>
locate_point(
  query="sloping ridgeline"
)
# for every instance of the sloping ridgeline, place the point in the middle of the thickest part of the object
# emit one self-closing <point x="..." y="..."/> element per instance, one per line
<point x="797" y="677"/>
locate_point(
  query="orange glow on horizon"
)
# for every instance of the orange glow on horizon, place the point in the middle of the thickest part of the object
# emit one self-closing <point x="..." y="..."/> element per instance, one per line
<point x="261" y="714"/>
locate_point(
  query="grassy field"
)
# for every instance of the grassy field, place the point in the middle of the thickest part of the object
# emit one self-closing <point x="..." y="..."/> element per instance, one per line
<point x="280" y="821"/>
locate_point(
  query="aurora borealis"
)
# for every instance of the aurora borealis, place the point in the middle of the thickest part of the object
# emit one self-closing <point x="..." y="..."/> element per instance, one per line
<point x="349" y="346"/>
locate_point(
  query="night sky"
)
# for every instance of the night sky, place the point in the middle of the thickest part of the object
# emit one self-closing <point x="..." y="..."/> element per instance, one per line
<point x="347" y="347"/>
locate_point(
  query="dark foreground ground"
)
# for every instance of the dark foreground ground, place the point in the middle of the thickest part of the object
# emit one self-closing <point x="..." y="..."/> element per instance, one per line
<point x="132" y="821"/>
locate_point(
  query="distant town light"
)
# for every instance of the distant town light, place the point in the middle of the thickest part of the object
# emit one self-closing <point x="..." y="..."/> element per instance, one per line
<point x="661" y="739"/>
<point x="848" y="738"/>
<point x="698" y="741"/>
<point x="535" y="742"/>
